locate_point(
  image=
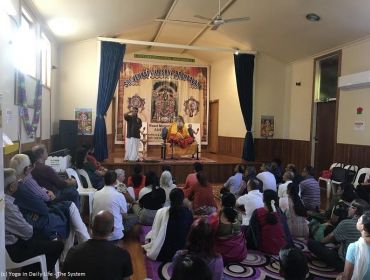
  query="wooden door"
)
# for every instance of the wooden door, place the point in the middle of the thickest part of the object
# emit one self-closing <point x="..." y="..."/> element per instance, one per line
<point x="325" y="135"/>
<point x="213" y="127"/>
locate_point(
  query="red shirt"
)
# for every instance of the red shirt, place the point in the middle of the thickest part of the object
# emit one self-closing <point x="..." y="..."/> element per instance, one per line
<point x="272" y="236"/>
<point x="201" y="196"/>
<point x="138" y="188"/>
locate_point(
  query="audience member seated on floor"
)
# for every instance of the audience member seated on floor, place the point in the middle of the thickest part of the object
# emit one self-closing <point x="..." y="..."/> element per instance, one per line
<point x="151" y="198"/>
<point x="363" y="188"/>
<point x="201" y="196"/>
<point x="200" y="243"/>
<point x="323" y="224"/>
<point x="230" y="240"/>
<point x="136" y="180"/>
<point x="169" y="169"/>
<point x="282" y="190"/>
<point x="268" y="231"/>
<point x="235" y="182"/>
<point x="345" y="233"/>
<point x="297" y="176"/>
<point x="296" y="214"/>
<point x="47" y="178"/>
<point x="128" y="192"/>
<point x="190" y="267"/>
<point x="250" y="201"/>
<point x="91" y="158"/>
<point x="277" y="170"/>
<point x="49" y="220"/>
<point x="109" y="199"/>
<point x="293" y="263"/>
<point x="249" y="173"/>
<point x="310" y="190"/>
<point x="178" y="134"/>
<point x="165" y="182"/>
<point x="99" y="258"/>
<point x="357" y="265"/>
<point x="266" y="177"/>
<point x="96" y="176"/>
<point x="170" y="229"/>
<point x="21" y="163"/>
<point x="191" y="179"/>
<point x="19" y="242"/>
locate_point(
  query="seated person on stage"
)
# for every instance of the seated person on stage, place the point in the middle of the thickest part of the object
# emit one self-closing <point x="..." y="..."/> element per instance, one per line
<point x="47" y="178"/>
<point x="99" y="258"/>
<point x="18" y="233"/>
<point x="179" y="134"/>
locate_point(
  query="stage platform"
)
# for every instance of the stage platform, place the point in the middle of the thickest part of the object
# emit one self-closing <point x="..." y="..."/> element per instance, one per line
<point x="217" y="167"/>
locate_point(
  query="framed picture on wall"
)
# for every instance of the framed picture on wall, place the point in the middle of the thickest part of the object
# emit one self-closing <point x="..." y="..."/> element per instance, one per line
<point x="267" y="126"/>
<point x="83" y="116"/>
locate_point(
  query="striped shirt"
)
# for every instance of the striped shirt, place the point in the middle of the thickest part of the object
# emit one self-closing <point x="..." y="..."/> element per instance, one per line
<point x="310" y="193"/>
<point x="35" y="188"/>
<point x="346" y="233"/>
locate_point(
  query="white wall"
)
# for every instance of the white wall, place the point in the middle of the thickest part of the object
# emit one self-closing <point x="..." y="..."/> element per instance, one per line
<point x="269" y="96"/>
<point x="355" y="59"/>
<point x="78" y="78"/>
<point x="300" y="97"/>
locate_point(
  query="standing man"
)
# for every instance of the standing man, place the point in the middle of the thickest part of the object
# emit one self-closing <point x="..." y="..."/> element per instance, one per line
<point x="133" y="134"/>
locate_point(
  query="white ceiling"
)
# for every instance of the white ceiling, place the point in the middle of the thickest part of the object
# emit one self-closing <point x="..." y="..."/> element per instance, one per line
<point x="278" y="28"/>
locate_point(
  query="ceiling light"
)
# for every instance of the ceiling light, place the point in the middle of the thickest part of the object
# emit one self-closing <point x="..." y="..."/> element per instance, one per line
<point x="312" y="17"/>
<point x="62" y="26"/>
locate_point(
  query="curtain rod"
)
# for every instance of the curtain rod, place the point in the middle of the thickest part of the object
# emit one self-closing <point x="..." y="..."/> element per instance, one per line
<point x="174" y="46"/>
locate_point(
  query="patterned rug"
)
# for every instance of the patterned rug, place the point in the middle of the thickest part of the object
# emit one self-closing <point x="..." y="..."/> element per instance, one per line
<point x="256" y="266"/>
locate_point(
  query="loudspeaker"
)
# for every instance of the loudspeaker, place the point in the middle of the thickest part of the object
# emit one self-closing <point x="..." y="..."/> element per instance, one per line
<point x="68" y="135"/>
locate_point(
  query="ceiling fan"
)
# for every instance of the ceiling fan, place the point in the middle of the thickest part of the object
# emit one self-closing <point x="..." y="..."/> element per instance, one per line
<point x="215" y="22"/>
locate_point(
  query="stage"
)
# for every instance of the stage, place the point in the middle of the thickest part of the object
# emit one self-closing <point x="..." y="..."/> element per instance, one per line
<point x="217" y="167"/>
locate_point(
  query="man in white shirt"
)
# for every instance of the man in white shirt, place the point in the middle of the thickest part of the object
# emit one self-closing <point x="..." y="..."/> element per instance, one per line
<point x="282" y="191"/>
<point x="267" y="178"/>
<point x="251" y="201"/>
<point x="108" y="198"/>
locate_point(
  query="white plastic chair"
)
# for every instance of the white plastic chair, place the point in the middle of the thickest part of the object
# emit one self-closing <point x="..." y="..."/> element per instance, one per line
<point x="89" y="192"/>
<point x="362" y="171"/>
<point x="84" y="174"/>
<point x="38" y="259"/>
<point x="328" y="181"/>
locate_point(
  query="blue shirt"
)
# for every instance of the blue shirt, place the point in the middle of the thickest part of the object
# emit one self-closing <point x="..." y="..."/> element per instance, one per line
<point x="234" y="182"/>
<point x="352" y="257"/>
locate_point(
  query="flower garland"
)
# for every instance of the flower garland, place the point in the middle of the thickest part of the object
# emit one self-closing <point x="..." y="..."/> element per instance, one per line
<point x="30" y="128"/>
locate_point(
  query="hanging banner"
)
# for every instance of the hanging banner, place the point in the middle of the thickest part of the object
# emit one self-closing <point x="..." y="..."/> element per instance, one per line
<point x="161" y="93"/>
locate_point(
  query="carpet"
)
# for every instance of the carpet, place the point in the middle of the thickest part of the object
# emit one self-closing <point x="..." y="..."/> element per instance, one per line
<point x="255" y="266"/>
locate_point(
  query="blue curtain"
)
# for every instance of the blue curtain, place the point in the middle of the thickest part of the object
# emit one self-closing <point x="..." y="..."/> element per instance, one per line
<point x="244" y="68"/>
<point x="111" y="60"/>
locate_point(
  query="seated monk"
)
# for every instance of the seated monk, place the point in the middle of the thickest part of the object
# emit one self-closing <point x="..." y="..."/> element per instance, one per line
<point x="179" y="134"/>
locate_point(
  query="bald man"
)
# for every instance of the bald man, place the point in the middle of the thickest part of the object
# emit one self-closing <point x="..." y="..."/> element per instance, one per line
<point x="99" y="258"/>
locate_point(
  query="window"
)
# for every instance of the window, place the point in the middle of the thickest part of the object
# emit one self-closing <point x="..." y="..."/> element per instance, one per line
<point x="45" y="60"/>
<point x="26" y="55"/>
<point x="327" y="71"/>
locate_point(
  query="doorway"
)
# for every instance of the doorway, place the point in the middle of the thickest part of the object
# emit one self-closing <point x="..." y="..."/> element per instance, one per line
<point x="324" y="113"/>
<point x="213" y="127"/>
